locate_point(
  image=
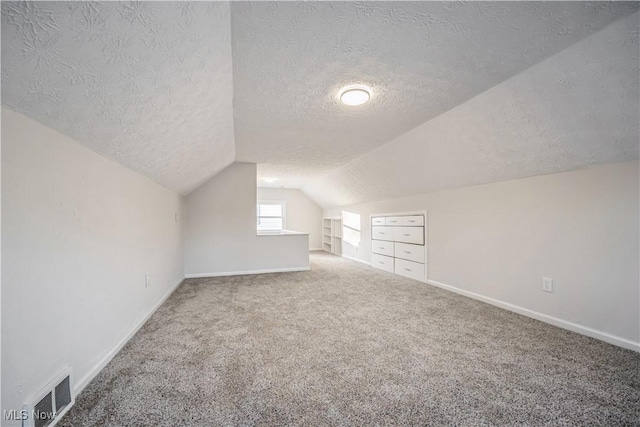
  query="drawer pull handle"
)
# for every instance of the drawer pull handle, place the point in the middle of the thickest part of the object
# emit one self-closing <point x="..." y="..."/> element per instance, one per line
<point x="407" y="252"/>
<point x="407" y="235"/>
<point x="407" y="269"/>
<point x="381" y="232"/>
<point x="380" y="262"/>
<point x="411" y="220"/>
<point x="393" y="221"/>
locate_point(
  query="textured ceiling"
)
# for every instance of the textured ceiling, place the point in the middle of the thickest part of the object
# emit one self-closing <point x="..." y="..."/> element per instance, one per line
<point x="420" y="58"/>
<point x="576" y="109"/>
<point x="179" y="90"/>
<point x="148" y="84"/>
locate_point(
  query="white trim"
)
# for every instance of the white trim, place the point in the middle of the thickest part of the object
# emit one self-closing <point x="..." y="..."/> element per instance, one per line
<point x="584" y="330"/>
<point x="84" y="381"/>
<point x="269" y="233"/>
<point x="315" y="249"/>
<point x="242" y="273"/>
<point x="356" y="259"/>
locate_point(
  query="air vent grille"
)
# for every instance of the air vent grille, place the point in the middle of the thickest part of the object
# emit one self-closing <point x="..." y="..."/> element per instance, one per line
<point x="63" y="394"/>
<point x="54" y="400"/>
<point x="43" y="412"/>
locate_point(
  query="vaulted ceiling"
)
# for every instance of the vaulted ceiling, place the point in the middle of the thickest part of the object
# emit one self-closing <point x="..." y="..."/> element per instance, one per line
<point x="463" y="93"/>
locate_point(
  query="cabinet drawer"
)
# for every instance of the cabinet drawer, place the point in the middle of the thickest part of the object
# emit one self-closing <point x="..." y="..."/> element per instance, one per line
<point x="412" y="221"/>
<point x="409" y="252"/>
<point x="394" y="220"/>
<point x="382" y="262"/>
<point x="378" y="220"/>
<point x="406" y="220"/>
<point x="409" y="235"/>
<point x="382" y="233"/>
<point x="381" y="247"/>
<point x="409" y="269"/>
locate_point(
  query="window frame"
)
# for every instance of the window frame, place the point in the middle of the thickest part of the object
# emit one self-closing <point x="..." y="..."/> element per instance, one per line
<point x="281" y="203"/>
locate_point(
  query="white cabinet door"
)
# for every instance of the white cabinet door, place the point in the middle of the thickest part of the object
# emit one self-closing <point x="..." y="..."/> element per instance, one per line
<point x="381" y="247"/>
<point x="409" y="235"/>
<point x="382" y="233"/>
<point x="410" y="252"/>
<point x="382" y="262"/>
<point x="412" y="270"/>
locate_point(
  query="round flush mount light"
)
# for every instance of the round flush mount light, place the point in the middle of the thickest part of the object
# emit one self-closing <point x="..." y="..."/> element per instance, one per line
<point x="355" y="95"/>
<point x="269" y="180"/>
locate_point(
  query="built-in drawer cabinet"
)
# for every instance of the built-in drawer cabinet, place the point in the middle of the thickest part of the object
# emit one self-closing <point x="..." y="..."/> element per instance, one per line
<point x="409" y="252"/>
<point x="409" y="235"/>
<point x="382" y="233"/>
<point x="382" y="247"/>
<point x="382" y="262"/>
<point x="398" y="244"/>
<point x="410" y="269"/>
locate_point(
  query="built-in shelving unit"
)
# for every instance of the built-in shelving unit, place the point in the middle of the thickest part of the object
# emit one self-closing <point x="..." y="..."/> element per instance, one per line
<point x="326" y="234"/>
<point x="332" y="235"/>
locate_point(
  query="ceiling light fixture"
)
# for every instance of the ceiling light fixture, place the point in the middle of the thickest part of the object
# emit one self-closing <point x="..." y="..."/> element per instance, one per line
<point x="269" y="180"/>
<point x="355" y="95"/>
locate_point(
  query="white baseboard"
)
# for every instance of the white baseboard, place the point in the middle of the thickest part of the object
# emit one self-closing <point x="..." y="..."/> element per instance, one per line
<point x="584" y="330"/>
<point x="316" y="249"/>
<point x="242" y="273"/>
<point x="356" y="259"/>
<point x="85" y="380"/>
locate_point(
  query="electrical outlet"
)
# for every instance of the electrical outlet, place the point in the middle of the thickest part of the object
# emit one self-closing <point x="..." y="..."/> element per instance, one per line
<point x="547" y="284"/>
<point x="147" y="280"/>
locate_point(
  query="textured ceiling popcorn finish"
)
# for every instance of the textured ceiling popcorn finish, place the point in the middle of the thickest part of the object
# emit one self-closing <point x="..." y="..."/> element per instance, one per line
<point x="420" y="58"/>
<point x="577" y="109"/>
<point x="148" y="84"/>
<point x="179" y="90"/>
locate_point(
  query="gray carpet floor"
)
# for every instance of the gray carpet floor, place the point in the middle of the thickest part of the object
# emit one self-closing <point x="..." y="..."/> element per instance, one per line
<point x="345" y="344"/>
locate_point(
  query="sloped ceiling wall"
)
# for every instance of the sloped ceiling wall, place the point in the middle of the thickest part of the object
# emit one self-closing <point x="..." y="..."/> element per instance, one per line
<point x="576" y="109"/>
<point x="420" y="58"/>
<point x="147" y="84"/>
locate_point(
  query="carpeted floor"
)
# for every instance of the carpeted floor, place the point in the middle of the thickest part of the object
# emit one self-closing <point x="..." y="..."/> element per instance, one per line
<point x="345" y="344"/>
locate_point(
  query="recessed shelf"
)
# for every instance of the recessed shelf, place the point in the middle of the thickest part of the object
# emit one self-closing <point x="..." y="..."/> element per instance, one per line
<point x="332" y="235"/>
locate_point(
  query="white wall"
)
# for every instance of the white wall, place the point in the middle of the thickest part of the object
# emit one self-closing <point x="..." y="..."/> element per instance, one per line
<point x="220" y="233"/>
<point x="498" y="240"/>
<point x="303" y="214"/>
<point x="79" y="233"/>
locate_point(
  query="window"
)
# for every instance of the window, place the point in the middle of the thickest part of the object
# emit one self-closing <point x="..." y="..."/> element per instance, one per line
<point x="351" y="228"/>
<point x="271" y="215"/>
